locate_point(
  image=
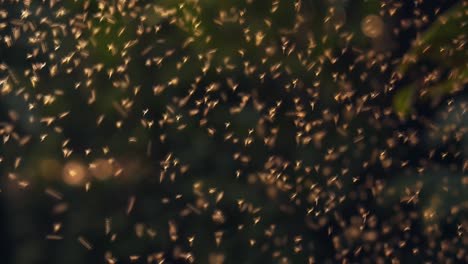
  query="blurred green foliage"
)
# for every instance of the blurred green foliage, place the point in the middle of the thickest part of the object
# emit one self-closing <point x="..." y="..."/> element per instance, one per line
<point x="443" y="43"/>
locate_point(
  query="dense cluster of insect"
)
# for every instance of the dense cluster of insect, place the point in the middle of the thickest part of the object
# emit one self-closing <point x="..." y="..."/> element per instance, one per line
<point x="266" y="126"/>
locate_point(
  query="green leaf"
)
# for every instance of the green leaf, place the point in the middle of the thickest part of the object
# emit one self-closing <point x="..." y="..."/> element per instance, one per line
<point x="455" y="83"/>
<point x="403" y="100"/>
<point x="405" y="97"/>
<point x="437" y="43"/>
<point x="442" y="43"/>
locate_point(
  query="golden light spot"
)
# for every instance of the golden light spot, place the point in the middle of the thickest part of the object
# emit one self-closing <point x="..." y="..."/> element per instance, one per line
<point x="372" y="26"/>
<point x="429" y="214"/>
<point x="74" y="173"/>
<point x="218" y="217"/>
<point x="101" y="169"/>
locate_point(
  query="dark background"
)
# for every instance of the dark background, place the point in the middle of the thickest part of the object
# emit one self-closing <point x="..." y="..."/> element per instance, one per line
<point x="375" y="210"/>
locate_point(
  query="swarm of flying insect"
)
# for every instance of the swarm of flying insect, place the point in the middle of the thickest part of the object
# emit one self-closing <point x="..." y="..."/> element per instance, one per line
<point x="239" y="131"/>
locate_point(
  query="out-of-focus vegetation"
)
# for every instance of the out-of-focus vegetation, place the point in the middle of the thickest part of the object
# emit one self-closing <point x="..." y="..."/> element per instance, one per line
<point x="245" y="131"/>
<point x="443" y="43"/>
